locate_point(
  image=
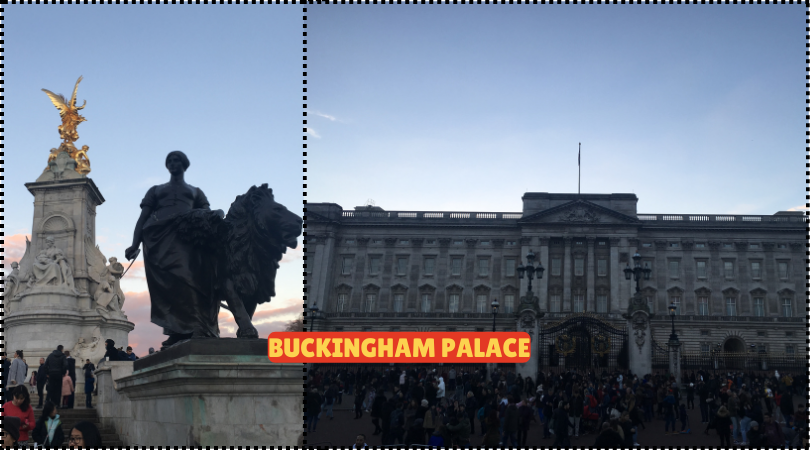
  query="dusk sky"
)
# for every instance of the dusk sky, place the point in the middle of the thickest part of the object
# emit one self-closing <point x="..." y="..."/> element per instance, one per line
<point x="694" y="108"/>
<point x="221" y="83"/>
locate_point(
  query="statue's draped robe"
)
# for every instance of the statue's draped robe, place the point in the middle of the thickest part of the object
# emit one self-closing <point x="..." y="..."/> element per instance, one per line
<point x="179" y="272"/>
<point x="48" y="270"/>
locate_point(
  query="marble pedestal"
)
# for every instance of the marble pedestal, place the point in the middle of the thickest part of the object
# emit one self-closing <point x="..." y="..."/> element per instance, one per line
<point x="640" y="345"/>
<point x="675" y="360"/>
<point x="528" y="323"/>
<point x="206" y="392"/>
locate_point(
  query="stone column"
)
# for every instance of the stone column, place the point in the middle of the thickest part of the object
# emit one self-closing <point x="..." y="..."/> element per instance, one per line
<point x="590" y="305"/>
<point x="568" y="271"/>
<point x="675" y="359"/>
<point x="616" y="276"/>
<point x="320" y="273"/>
<point x="640" y="343"/>
<point x="542" y="284"/>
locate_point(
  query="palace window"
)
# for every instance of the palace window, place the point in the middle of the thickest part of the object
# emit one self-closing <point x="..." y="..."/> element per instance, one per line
<point x="399" y="300"/>
<point x="756" y="270"/>
<point x="455" y="266"/>
<point x="425" y="302"/>
<point x="394" y="328"/>
<point x="555" y="303"/>
<point x="511" y="242"/>
<point x="701" y="269"/>
<point x="481" y="303"/>
<point x="579" y="267"/>
<point x="728" y="269"/>
<point x="343" y="299"/>
<point x="674" y="268"/>
<point x="727" y="245"/>
<point x="705" y="333"/>
<point x="453" y="306"/>
<point x="788" y="334"/>
<point x="783" y="270"/>
<point x="762" y="348"/>
<point x="759" y="307"/>
<point x="781" y="246"/>
<point x="367" y="328"/>
<point x="601" y="267"/>
<point x="650" y="302"/>
<point x="703" y="306"/>
<point x="510" y="267"/>
<point x="483" y="267"/>
<point x="369" y="304"/>
<point x="346" y="268"/>
<point x="374" y="265"/>
<point x="404" y="242"/>
<point x="430" y="263"/>
<point x="731" y="306"/>
<point x="508" y="303"/>
<point x="790" y="350"/>
<point x="556" y="267"/>
<point x="601" y="303"/>
<point x="700" y="245"/>
<point x="402" y="265"/>
<point x="761" y="334"/>
<point x="338" y="328"/>
<point x="484" y="242"/>
<point x="579" y="303"/>
<point x="705" y="348"/>
<point x="787" y="309"/>
<point x="674" y="244"/>
<point x="754" y="246"/>
<point x="376" y="241"/>
<point x="458" y="242"/>
<point x="647" y="244"/>
<point x="430" y="242"/>
<point x="350" y="241"/>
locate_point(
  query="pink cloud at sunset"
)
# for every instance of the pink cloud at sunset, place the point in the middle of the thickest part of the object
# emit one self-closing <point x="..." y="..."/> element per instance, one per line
<point x="15" y="246"/>
<point x="293" y="254"/>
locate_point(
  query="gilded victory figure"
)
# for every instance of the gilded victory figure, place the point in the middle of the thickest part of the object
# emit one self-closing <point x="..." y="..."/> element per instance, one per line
<point x="71" y="118"/>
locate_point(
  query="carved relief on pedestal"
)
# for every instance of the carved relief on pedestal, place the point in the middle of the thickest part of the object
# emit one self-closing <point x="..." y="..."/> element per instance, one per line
<point x="640" y="330"/>
<point x="580" y="214"/>
<point x="106" y="288"/>
<point x="50" y="268"/>
<point x="527" y="322"/>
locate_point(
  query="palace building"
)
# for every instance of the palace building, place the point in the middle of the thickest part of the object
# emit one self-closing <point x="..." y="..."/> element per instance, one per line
<point x="737" y="281"/>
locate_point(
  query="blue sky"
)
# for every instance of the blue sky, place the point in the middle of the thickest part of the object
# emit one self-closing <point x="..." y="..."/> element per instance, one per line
<point x="223" y="83"/>
<point x="695" y="109"/>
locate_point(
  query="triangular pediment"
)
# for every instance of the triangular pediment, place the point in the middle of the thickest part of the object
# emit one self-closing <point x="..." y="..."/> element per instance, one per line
<point x="579" y="212"/>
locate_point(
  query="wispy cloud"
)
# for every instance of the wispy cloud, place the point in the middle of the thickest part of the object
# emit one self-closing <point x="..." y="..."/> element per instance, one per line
<point x="327" y="116"/>
<point x="313" y="133"/>
<point x="293" y="254"/>
<point x="799" y="208"/>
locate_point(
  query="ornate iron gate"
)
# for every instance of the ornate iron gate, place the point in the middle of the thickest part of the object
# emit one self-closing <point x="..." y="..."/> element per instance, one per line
<point x="582" y="340"/>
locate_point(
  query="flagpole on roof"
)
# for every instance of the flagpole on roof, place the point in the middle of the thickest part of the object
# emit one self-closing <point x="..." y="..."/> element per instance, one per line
<point x="579" y="167"/>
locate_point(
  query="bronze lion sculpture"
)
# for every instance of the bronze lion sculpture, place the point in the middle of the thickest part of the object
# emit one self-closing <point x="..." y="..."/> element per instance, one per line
<point x="253" y="237"/>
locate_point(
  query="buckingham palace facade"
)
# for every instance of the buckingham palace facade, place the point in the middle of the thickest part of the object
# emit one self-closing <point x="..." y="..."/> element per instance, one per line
<point x="737" y="280"/>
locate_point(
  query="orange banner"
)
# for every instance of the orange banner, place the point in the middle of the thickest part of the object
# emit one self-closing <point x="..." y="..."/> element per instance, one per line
<point x="398" y="347"/>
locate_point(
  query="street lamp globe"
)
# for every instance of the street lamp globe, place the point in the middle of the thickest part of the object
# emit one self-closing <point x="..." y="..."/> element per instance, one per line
<point x="628" y="272"/>
<point x="672" y="308"/>
<point x="495" y="306"/>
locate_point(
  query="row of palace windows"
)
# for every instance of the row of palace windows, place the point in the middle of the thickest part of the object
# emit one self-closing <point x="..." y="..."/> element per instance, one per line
<point x="790" y="349"/>
<point x="703" y="309"/>
<point x="351" y="241"/>
<point x="428" y="266"/>
<point x="510" y="265"/>
<point x="702" y="272"/>
<point x="482" y="303"/>
<point x="752" y="246"/>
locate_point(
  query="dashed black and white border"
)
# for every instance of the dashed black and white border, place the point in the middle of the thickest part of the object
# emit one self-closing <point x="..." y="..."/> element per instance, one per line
<point x="413" y="2"/>
<point x="304" y="399"/>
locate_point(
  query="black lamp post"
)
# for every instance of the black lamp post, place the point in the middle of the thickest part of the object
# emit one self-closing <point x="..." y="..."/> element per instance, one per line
<point x="495" y="306"/>
<point x="637" y="271"/>
<point x="314" y="313"/>
<point x="530" y="269"/>
<point x="672" y="309"/>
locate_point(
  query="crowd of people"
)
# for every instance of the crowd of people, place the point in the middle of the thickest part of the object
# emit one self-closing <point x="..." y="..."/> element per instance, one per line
<point x="54" y="381"/>
<point x="440" y="406"/>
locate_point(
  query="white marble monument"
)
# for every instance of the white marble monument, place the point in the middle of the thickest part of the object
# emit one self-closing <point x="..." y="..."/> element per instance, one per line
<point x="63" y="291"/>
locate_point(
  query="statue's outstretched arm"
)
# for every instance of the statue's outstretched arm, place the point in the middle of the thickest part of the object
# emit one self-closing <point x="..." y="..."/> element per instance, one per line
<point x="131" y="252"/>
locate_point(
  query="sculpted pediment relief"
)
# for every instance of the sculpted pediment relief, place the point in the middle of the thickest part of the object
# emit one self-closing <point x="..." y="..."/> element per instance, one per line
<point x="580" y="212"/>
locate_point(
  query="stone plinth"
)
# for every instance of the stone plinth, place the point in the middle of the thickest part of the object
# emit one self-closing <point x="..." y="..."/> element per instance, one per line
<point x="207" y="392"/>
<point x="528" y="323"/>
<point x="675" y="360"/>
<point x="639" y="350"/>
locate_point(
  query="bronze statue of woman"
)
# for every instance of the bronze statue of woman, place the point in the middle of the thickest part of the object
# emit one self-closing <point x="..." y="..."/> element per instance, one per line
<point x="176" y="221"/>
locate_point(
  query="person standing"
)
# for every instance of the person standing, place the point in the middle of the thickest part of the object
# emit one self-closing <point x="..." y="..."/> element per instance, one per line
<point x="16" y="373"/>
<point x="89" y="381"/>
<point x="71" y="365"/>
<point x="42" y="379"/>
<point x="772" y="433"/>
<point x="6" y="368"/>
<point x="314" y="402"/>
<point x="669" y="413"/>
<point x="722" y="423"/>
<point x="561" y="425"/>
<point x="67" y="390"/>
<point x="733" y="412"/>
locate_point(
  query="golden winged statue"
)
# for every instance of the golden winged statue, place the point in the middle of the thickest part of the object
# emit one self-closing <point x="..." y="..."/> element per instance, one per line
<point x="71" y="118"/>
